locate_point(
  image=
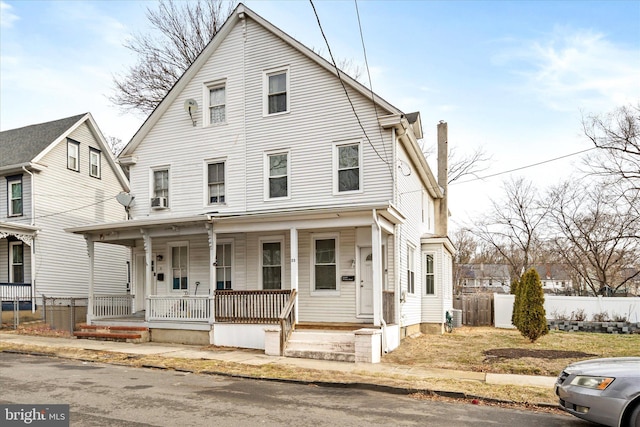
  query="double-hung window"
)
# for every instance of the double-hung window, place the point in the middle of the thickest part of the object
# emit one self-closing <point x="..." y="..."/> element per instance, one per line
<point x="411" y="270"/>
<point x="73" y="155"/>
<point x="325" y="263"/>
<point x="277" y="180"/>
<point x="160" y="192"/>
<point x="272" y="264"/>
<point x="217" y="104"/>
<point x="94" y="163"/>
<point x="348" y="169"/>
<point x="277" y="91"/>
<point x="223" y="266"/>
<point x="16" y="262"/>
<point x="429" y="275"/>
<point x="15" y="196"/>
<point x="180" y="267"/>
<point x="215" y="183"/>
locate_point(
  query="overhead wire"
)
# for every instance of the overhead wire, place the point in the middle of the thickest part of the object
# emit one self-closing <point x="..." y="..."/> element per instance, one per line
<point x="333" y="61"/>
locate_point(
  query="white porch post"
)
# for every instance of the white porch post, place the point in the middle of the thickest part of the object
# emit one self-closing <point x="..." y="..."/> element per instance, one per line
<point x="294" y="265"/>
<point x="90" y="253"/>
<point x="148" y="273"/>
<point x="376" y="250"/>
<point x="213" y="264"/>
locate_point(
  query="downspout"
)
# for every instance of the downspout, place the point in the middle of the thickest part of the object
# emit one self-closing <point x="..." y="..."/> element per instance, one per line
<point x="31" y="246"/>
<point x="385" y="347"/>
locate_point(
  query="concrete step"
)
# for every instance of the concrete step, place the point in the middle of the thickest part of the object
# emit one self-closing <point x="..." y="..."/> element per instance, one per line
<point x="321" y="355"/>
<point x="322" y="345"/>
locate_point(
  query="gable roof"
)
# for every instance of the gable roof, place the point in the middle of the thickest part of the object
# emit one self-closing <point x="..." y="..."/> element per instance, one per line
<point x="22" y="145"/>
<point x="242" y="12"/>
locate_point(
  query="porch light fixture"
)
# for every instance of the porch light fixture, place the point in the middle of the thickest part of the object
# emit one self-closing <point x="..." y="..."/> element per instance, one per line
<point x="159" y="257"/>
<point x="353" y="263"/>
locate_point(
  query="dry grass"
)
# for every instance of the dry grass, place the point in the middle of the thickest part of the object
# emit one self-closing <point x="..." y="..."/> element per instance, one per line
<point x="463" y="350"/>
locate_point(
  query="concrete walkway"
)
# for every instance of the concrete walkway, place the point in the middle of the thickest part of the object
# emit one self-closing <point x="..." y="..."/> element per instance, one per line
<point x="256" y="358"/>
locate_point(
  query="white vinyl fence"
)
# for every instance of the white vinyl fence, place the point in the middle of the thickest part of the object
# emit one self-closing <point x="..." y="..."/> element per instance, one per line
<point x="555" y="305"/>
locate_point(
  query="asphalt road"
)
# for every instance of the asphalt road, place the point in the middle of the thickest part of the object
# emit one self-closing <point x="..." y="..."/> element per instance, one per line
<point x="110" y="395"/>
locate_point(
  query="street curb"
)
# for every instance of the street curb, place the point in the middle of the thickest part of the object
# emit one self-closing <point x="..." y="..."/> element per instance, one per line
<point x="328" y="384"/>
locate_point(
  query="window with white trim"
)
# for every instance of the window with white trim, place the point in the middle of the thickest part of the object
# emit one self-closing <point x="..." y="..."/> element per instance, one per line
<point x="16" y="262"/>
<point x="224" y="253"/>
<point x="277" y="180"/>
<point x="217" y="104"/>
<point x="14" y="187"/>
<point x="160" y="188"/>
<point x="271" y="264"/>
<point x="276" y="85"/>
<point x="215" y="183"/>
<point x="411" y="270"/>
<point x="325" y="266"/>
<point x="348" y="170"/>
<point x="429" y="274"/>
<point x="94" y="162"/>
<point x="73" y="155"/>
<point x="179" y="267"/>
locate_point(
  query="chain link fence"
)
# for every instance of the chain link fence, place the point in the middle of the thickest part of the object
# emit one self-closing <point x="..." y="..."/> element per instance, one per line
<point x="64" y="313"/>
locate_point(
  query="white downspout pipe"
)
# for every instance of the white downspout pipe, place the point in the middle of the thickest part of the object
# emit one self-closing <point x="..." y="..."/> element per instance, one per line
<point x="32" y="252"/>
<point x="385" y="347"/>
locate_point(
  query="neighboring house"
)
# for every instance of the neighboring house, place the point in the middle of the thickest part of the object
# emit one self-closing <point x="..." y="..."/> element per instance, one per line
<point x="555" y="278"/>
<point x="484" y="278"/>
<point x="55" y="175"/>
<point x="261" y="198"/>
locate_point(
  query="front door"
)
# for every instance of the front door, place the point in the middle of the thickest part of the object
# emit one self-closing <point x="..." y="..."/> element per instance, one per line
<point x="140" y="280"/>
<point x="365" y="295"/>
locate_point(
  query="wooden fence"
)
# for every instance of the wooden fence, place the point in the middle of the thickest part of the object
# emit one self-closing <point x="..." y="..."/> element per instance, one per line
<point x="477" y="309"/>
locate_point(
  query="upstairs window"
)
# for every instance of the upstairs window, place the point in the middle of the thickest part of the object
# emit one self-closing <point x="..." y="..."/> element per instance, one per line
<point x="73" y="150"/>
<point x="15" y="196"/>
<point x="277" y="92"/>
<point x="277" y="182"/>
<point x="348" y="161"/>
<point x="429" y="284"/>
<point x="94" y="163"/>
<point x="217" y="105"/>
<point x="160" y="191"/>
<point x="215" y="183"/>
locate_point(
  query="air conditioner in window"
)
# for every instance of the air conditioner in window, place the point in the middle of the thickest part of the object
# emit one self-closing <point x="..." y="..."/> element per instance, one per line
<point x="159" y="203"/>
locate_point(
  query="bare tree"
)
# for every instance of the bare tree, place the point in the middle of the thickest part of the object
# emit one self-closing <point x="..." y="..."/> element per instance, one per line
<point x="181" y="30"/>
<point x="115" y="144"/>
<point x="617" y="135"/>
<point x="463" y="165"/>
<point x="466" y="245"/>
<point x="596" y="234"/>
<point x="513" y="227"/>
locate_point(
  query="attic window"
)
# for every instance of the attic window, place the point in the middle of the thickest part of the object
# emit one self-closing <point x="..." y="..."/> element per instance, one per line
<point x="73" y="150"/>
<point x="276" y="84"/>
<point x="94" y="163"/>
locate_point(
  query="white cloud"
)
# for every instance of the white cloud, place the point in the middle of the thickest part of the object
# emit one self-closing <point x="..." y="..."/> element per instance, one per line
<point x="577" y="69"/>
<point x="7" y="18"/>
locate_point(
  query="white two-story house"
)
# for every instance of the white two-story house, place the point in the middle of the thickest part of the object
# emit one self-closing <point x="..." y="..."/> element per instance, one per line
<point x="55" y="175"/>
<point x="268" y="189"/>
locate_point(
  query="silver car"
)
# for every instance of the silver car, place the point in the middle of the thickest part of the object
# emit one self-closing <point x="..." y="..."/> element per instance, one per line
<point x="604" y="391"/>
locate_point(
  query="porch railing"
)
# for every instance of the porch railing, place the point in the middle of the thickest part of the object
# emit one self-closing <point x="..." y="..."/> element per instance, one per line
<point x="105" y="306"/>
<point x="287" y="321"/>
<point x="15" y="291"/>
<point x="258" y="306"/>
<point x="188" y="308"/>
<point x="389" y="307"/>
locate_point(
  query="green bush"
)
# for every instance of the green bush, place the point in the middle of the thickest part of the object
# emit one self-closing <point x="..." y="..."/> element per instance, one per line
<point x="515" y="316"/>
<point x="528" y="308"/>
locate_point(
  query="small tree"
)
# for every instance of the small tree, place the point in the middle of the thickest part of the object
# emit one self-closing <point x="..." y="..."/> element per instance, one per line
<point x="530" y="315"/>
<point x="515" y="316"/>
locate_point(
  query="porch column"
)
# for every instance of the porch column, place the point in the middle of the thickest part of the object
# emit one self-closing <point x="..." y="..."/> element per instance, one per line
<point x="376" y="251"/>
<point x="213" y="264"/>
<point x="294" y="265"/>
<point x="148" y="273"/>
<point x="90" y="253"/>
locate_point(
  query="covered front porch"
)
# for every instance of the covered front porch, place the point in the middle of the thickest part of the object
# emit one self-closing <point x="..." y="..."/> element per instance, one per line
<point x="232" y="276"/>
<point x="17" y="265"/>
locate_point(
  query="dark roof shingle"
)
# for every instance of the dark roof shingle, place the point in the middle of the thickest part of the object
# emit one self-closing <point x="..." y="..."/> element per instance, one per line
<point x="23" y="144"/>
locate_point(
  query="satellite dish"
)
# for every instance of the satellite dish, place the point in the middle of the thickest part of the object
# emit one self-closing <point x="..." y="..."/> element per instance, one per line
<point x="125" y="199"/>
<point x="191" y="107"/>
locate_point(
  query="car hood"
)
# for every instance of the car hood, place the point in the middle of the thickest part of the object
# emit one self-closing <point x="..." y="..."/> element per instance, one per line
<point x="615" y="366"/>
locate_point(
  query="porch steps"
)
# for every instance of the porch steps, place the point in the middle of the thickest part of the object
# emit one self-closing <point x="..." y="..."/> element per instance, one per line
<point x="132" y="334"/>
<point x="322" y="345"/>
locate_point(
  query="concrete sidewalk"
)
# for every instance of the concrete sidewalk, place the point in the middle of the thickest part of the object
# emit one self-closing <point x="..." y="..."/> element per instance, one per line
<point x="256" y="358"/>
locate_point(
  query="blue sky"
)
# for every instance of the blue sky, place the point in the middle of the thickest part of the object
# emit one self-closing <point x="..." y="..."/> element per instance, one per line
<point x="514" y="77"/>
